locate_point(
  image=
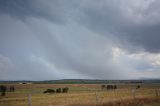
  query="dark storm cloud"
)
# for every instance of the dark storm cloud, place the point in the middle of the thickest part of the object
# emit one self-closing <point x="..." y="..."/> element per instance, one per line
<point x="117" y="17"/>
<point x="77" y="39"/>
<point x="147" y="37"/>
<point x="50" y="10"/>
<point x="138" y="25"/>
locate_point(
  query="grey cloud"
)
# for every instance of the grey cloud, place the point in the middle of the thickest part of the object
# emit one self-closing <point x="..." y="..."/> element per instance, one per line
<point x="50" y="10"/>
<point x="147" y="37"/>
<point x="83" y="45"/>
<point x="138" y="26"/>
<point x="75" y="49"/>
<point x="5" y="63"/>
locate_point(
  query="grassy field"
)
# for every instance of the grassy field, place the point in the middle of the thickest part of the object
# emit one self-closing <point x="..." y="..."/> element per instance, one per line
<point x="82" y="95"/>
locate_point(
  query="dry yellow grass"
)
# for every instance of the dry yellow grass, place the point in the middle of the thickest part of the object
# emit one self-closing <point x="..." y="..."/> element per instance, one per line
<point x="79" y="94"/>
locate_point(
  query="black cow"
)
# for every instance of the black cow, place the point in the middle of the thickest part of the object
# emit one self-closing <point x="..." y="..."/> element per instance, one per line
<point x="3" y="90"/>
<point x="65" y="90"/>
<point x="49" y="91"/>
<point x="11" y="89"/>
<point x="109" y="87"/>
<point x="58" y="90"/>
<point x="103" y="87"/>
<point x="138" y="86"/>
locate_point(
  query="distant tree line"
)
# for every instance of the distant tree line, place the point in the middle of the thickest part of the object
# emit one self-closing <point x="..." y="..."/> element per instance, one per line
<point x="58" y="90"/>
<point x="108" y="87"/>
<point x="4" y="88"/>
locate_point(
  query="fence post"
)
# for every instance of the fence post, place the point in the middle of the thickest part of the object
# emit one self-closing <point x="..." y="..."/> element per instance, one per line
<point x="134" y="93"/>
<point x="156" y="92"/>
<point x="29" y="99"/>
<point x="96" y="97"/>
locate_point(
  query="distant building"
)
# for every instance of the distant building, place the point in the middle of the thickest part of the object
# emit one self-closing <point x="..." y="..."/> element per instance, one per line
<point x="25" y="83"/>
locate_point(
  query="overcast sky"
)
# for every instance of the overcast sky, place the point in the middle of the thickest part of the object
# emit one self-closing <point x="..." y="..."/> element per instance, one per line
<point x="76" y="39"/>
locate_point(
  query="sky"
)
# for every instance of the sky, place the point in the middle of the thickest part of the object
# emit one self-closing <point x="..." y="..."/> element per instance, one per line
<point x="79" y="39"/>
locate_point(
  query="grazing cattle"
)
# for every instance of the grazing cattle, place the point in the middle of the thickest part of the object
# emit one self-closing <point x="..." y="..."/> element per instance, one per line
<point x="65" y="90"/>
<point x="108" y="87"/>
<point x="11" y="89"/>
<point x="58" y="90"/>
<point x="3" y="90"/>
<point x="138" y="86"/>
<point x="103" y="87"/>
<point x="115" y="87"/>
<point x="49" y="91"/>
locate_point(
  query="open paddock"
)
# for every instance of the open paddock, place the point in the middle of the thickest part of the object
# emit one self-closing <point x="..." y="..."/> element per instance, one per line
<point x="79" y="94"/>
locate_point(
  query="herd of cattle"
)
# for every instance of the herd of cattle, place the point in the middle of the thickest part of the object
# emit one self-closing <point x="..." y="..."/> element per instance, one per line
<point x="112" y="87"/>
<point x="108" y="87"/>
<point x="3" y="89"/>
<point x="58" y="90"/>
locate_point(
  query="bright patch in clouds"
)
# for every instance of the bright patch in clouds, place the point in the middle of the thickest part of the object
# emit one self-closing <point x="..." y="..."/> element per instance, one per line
<point x="107" y="39"/>
<point x="135" y="62"/>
